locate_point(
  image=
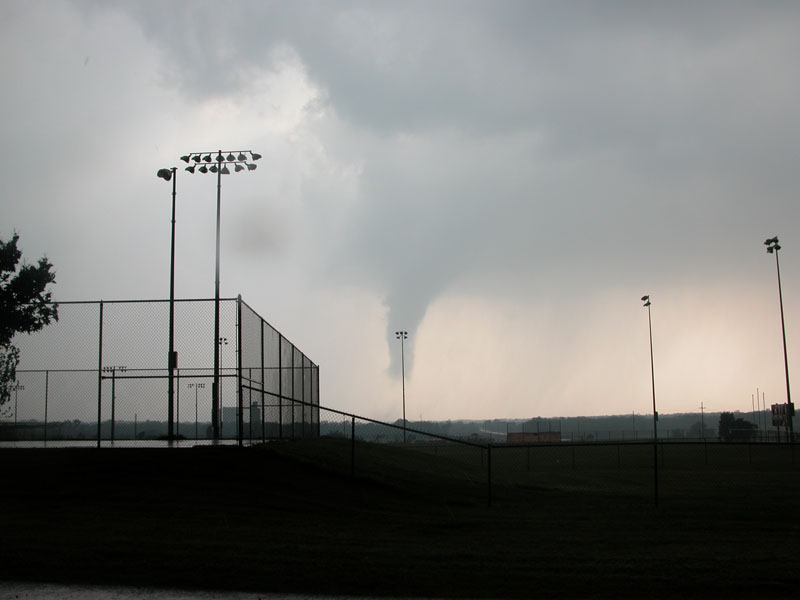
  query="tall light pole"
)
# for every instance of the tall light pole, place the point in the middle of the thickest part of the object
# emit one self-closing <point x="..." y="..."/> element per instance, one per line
<point x="772" y="248"/>
<point x="167" y="175"/>
<point x="196" y="386"/>
<point x="646" y="300"/>
<point x="113" y="370"/>
<point x="200" y="161"/>
<point x="403" y="335"/>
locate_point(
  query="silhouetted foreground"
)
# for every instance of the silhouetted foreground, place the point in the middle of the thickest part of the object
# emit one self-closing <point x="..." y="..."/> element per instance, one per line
<point x="269" y="519"/>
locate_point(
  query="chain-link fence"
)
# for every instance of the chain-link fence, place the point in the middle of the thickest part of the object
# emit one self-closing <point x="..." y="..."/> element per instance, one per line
<point x="466" y="467"/>
<point x="279" y="384"/>
<point x="404" y="457"/>
<point x="101" y="374"/>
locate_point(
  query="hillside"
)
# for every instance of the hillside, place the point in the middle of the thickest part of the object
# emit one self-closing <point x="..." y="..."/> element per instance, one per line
<point x="285" y="518"/>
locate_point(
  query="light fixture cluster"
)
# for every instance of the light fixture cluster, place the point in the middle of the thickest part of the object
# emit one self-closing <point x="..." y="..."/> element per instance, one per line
<point x="772" y="244"/>
<point x="214" y="162"/>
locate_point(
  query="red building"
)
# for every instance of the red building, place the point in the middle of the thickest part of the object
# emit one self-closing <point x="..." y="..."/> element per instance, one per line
<point x="525" y="437"/>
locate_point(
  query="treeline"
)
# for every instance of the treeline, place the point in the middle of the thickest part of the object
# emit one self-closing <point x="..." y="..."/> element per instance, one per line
<point x="727" y="426"/>
<point x="596" y="428"/>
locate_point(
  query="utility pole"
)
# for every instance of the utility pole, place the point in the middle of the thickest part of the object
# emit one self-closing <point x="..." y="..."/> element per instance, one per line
<point x="702" y="422"/>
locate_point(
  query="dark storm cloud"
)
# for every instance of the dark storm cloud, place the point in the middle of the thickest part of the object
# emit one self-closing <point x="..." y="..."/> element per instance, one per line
<point x="526" y="137"/>
<point x="551" y="145"/>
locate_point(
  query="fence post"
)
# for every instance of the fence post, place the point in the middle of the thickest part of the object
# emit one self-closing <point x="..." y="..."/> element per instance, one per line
<point x="46" y="390"/>
<point x="113" y="401"/>
<point x="303" y="394"/>
<point x="573" y="456"/>
<point x="240" y="399"/>
<point x="280" y="386"/>
<point x="294" y="417"/>
<point x="352" y="446"/>
<point x="264" y="384"/>
<point x="315" y="408"/>
<point x="489" y="473"/>
<point x="100" y="375"/>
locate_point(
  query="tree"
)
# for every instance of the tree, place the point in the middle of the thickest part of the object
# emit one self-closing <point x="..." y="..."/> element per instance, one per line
<point x="697" y="430"/>
<point x="732" y="429"/>
<point x="25" y="306"/>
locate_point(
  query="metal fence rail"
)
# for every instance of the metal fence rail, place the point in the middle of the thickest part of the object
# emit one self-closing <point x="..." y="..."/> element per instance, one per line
<point x="490" y="467"/>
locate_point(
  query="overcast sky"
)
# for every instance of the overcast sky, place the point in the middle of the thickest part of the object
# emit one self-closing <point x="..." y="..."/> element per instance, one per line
<point x="503" y="180"/>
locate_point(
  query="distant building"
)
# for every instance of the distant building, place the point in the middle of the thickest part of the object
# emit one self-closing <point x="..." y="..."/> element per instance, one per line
<point x="252" y="421"/>
<point x="230" y="422"/>
<point x="526" y="437"/>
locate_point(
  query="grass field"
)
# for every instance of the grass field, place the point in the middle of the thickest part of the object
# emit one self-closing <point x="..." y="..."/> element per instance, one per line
<point x="413" y="522"/>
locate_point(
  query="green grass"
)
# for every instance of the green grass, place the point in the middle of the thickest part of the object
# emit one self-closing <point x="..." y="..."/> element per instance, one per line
<point x="413" y="521"/>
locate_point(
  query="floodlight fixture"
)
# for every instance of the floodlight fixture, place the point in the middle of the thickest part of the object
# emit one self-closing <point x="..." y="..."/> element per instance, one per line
<point x="165" y="174"/>
<point x="207" y="158"/>
<point x="230" y="157"/>
<point x="203" y="169"/>
<point x="238" y="167"/>
<point x="241" y="156"/>
<point x="213" y="168"/>
<point x="190" y="168"/>
<point x="255" y="155"/>
<point x="772" y="244"/>
<point x="224" y="170"/>
<point x="186" y="158"/>
<point x="251" y="167"/>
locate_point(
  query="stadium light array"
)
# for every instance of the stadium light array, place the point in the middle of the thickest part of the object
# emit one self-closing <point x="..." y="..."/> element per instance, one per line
<point x="241" y="160"/>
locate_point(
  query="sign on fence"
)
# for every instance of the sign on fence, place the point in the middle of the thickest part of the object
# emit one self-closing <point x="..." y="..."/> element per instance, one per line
<point x="782" y="414"/>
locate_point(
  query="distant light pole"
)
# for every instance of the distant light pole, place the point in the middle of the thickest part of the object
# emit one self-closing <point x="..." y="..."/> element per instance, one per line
<point x="16" y="387"/>
<point x="167" y="175"/>
<point x="113" y="370"/>
<point x="702" y="421"/>
<point x="403" y="335"/>
<point x="237" y="158"/>
<point x="772" y="248"/>
<point x="196" y="386"/>
<point x="646" y="300"/>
